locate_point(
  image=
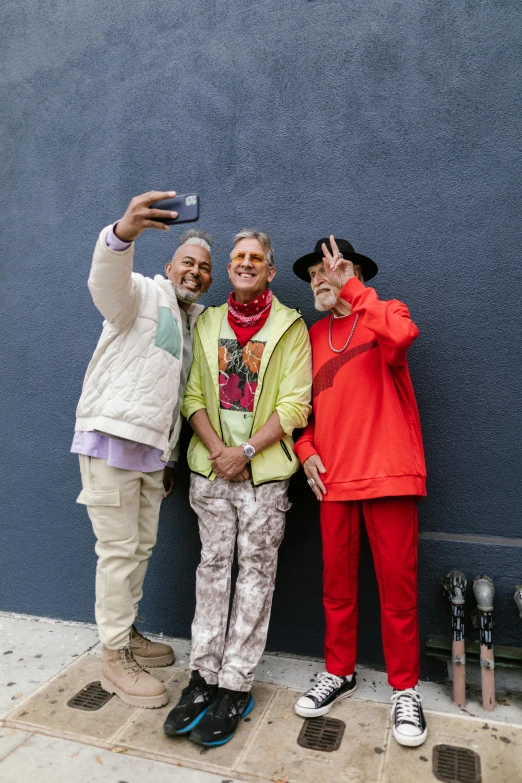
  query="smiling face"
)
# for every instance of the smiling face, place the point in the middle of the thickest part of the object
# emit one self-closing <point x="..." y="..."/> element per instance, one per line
<point x="249" y="271"/>
<point x="190" y="272"/>
<point x="326" y="293"/>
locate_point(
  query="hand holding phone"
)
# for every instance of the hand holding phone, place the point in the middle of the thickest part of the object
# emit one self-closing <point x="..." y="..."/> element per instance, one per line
<point x="141" y="214"/>
<point x="186" y="206"/>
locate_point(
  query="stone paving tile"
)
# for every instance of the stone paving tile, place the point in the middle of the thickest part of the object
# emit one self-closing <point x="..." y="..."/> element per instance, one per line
<point x="47" y="708"/>
<point x="275" y="754"/>
<point x="11" y="739"/>
<point x="145" y="732"/>
<point x="265" y="747"/>
<point x="372" y="686"/>
<point x="32" y="650"/>
<point x="499" y="747"/>
<point x="50" y="760"/>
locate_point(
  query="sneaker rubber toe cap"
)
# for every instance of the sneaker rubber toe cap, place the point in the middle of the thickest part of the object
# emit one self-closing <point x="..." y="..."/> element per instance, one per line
<point x="306" y="703"/>
<point x="174" y="722"/>
<point x="408" y="730"/>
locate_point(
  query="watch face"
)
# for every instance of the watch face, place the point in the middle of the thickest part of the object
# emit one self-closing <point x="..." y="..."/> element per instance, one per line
<point x="249" y="451"/>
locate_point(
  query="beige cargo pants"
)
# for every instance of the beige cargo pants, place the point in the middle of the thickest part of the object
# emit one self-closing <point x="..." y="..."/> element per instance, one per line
<point x="123" y="506"/>
<point x="256" y="517"/>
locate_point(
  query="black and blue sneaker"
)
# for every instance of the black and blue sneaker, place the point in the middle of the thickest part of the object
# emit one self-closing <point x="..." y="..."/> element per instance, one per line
<point x="222" y="718"/>
<point x="195" y="701"/>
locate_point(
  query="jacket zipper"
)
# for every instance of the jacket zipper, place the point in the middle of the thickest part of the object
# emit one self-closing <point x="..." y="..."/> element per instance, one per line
<point x="266" y="368"/>
<point x="285" y="449"/>
<point x="221" y="436"/>
<point x="220" y="427"/>
<point x="283" y="445"/>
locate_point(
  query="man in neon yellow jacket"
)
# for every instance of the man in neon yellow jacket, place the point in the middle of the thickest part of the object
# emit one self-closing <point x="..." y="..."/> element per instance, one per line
<point x="249" y="388"/>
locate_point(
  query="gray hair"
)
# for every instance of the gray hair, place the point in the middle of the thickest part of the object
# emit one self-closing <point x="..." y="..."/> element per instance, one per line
<point x="264" y="239"/>
<point x="196" y="236"/>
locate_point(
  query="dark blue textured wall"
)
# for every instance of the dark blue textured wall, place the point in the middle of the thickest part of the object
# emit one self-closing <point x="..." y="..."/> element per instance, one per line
<point x="393" y="124"/>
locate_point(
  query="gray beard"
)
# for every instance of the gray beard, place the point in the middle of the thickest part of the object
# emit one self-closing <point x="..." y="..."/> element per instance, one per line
<point x="189" y="297"/>
<point x="325" y="302"/>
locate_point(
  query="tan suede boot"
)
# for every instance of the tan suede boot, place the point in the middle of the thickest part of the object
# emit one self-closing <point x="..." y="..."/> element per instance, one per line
<point x="148" y="653"/>
<point x="122" y="675"/>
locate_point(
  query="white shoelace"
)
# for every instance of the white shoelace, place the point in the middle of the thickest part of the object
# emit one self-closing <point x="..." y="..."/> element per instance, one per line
<point x="406" y="706"/>
<point x="325" y="685"/>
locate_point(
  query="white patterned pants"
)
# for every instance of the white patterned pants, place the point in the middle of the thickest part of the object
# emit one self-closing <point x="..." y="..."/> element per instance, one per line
<point x="255" y="516"/>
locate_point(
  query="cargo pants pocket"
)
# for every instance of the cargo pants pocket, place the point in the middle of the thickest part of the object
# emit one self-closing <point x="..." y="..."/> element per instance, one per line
<point x="276" y="523"/>
<point x="109" y="521"/>
<point x="104" y="508"/>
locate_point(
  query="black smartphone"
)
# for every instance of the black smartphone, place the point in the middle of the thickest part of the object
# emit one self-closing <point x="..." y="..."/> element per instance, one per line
<point x="187" y="207"/>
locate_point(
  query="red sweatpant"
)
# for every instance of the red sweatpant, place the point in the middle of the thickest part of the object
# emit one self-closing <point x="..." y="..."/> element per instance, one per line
<point x="391" y="524"/>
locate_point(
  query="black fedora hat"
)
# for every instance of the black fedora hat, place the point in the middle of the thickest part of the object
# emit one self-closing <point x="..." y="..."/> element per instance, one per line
<point x="301" y="266"/>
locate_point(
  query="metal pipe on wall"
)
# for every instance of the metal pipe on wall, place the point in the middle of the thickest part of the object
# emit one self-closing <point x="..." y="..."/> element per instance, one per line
<point x="484" y="592"/>
<point x="518" y="598"/>
<point x="455" y="585"/>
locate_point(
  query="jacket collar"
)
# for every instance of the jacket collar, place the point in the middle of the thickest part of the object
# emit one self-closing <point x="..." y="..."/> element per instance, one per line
<point x="210" y="326"/>
<point x="283" y="318"/>
<point x="195" y="310"/>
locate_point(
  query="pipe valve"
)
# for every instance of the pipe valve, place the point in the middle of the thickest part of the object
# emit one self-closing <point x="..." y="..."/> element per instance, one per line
<point x="455" y="584"/>
<point x="484" y="592"/>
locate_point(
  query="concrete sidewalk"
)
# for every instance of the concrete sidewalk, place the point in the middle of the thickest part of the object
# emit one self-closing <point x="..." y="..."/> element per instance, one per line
<point x="43" y="663"/>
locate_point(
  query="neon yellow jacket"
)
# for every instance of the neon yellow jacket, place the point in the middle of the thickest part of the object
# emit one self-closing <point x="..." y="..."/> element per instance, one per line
<point x="284" y="385"/>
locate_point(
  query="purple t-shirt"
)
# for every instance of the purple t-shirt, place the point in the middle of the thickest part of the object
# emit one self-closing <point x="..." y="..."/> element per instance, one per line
<point x="119" y="453"/>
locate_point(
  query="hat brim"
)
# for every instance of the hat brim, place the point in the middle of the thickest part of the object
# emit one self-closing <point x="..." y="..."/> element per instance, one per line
<point x="301" y="266"/>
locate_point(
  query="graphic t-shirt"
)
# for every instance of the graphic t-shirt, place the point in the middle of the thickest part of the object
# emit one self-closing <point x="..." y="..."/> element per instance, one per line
<point x="238" y="374"/>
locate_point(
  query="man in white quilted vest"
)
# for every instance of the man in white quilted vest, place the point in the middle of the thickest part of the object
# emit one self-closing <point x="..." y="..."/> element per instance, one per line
<point x="127" y="429"/>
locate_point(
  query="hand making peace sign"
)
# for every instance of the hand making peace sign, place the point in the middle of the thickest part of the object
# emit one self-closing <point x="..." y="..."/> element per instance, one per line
<point x="337" y="269"/>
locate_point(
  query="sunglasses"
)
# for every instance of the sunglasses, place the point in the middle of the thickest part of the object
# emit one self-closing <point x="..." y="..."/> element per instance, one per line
<point x="238" y="256"/>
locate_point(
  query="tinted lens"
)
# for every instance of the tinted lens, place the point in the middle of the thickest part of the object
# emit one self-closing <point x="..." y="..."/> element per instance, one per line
<point x="239" y="256"/>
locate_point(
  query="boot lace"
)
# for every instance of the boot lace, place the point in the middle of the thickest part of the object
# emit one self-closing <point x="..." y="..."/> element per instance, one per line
<point x="136" y="636"/>
<point x="129" y="662"/>
<point x="406" y="706"/>
<point x="326" y="684"/>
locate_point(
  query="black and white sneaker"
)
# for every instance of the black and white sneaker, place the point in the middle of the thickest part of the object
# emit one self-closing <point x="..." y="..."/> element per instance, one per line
<point x="322" y="696"/>
<point x="409" y="726"/>
<point x="195" y="701"/>
<point x="221" y="720"/>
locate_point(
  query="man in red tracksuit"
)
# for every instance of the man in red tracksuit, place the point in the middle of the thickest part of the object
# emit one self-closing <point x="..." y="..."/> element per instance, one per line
<point x="362" y="453"/>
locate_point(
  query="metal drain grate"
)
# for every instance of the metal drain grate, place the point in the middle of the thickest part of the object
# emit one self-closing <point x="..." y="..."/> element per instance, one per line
<point x="321" y="734"/>
<point x="90" y="698"/>
<point x="452" y="764"/>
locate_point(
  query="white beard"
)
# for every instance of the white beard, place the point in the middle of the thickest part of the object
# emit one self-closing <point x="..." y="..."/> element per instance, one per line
<point x="325" y="301"/>
<point x="186" y="296"/>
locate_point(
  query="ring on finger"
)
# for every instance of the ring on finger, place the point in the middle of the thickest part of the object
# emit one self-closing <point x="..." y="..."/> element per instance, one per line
<point x="311" y="482"/>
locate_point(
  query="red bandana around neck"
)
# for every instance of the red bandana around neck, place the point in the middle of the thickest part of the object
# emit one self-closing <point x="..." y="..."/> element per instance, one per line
<point x="247" y="319"/>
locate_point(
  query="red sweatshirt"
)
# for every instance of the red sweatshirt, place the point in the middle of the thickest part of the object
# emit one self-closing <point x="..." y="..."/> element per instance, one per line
<point x="365" y="424"/>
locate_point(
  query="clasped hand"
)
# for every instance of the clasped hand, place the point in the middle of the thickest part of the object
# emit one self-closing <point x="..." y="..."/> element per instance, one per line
<point x="229" y="463"/>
